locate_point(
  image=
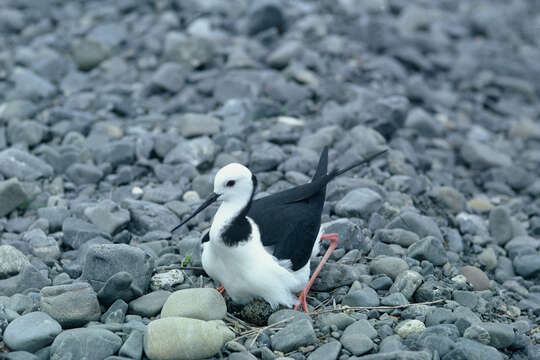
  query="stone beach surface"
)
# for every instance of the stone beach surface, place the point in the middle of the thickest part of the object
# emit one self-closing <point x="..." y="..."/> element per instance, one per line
<point x="116" y="115"/>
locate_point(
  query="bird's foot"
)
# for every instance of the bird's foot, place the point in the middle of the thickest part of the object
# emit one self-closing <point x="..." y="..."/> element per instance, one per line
<point x="303" y="295"/>
<point x="302" y="301"/>
<point x="221" y="290"/>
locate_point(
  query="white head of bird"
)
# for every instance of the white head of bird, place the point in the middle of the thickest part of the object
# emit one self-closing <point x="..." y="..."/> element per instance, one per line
<point x="234" y="183"/>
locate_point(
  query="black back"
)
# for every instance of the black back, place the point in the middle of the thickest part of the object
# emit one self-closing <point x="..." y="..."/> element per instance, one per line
<point x="289" y="221"/>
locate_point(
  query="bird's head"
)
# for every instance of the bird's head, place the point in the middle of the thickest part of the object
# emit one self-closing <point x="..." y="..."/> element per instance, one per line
<point x="234" y="182"/>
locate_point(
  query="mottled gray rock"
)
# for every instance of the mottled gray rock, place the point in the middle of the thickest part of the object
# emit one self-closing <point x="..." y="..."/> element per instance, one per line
<point x="108" y="216"/>
<point x="199" y="152"/>
<point x="363" y="297"/>
<point x="527" y="266"/>
<point x="359" y="203"/>
<point x="150" y="304"/>
<point x="399" y="355"/>
<point x="22" y="165"/>
<point x="104" y="261"/>
<point x="294" y="335"/>
<point x="396" y="236"/>
<point x="11" y="261"/>
<point x="166" y="280"/>
<point x="147" y="216"/>
<point x="182" y="338"/>
<point x="71" y="305"/>
<point x="31" y="332"/>
<point x="408" y="327"/>
<point x="421" y="225"/>
<point x="482" y="156"/>
<point x="500" y="225"/>
<point x="192" y="125"/>
<point x="429" y="248"/>
<point x="87" y="343"/>
<point x="199" y="303"/>
<point x="11" y="196"/>
<point x="77" y="232"/>
<point x="406" y="283"/>
<point x="391" y="266"/>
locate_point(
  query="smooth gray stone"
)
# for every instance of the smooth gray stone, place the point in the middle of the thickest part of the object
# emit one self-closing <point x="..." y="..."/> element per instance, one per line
<point x="294" y="335"/>
<point x="31" y="332"/>
<point x="71" y="305"/>
<point x="328" y="351"/>
<point x="89" y="343"/>
<point x="150" y="304"/>
<point x="421" y="225"/>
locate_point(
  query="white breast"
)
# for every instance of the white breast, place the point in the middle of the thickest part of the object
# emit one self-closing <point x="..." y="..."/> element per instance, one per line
<point x="248" y="271"/>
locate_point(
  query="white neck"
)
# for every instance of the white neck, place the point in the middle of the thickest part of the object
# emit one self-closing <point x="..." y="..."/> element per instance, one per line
<point x="227" y="212"/>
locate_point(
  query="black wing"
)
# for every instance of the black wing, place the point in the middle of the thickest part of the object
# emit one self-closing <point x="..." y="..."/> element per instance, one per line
<point x="289" y="221"/>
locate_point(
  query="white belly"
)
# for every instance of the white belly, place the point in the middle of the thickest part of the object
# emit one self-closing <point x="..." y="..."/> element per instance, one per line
<point x="248" y="271"/>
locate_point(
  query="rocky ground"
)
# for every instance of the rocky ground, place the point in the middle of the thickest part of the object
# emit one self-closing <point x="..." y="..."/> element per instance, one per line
<point x="115" y="115"/>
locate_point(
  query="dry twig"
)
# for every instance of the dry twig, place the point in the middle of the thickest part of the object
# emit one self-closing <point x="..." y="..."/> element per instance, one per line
<point x="360" y="308"/>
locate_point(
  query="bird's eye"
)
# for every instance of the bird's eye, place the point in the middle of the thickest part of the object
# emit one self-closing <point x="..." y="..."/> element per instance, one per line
<point x="230" y="183"/>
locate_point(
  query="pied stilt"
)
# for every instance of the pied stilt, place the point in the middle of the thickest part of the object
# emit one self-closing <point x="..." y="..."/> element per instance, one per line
<point x="262" y="248"/>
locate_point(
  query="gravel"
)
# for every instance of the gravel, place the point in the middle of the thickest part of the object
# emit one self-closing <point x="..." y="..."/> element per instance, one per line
<point x="115" y="117"/>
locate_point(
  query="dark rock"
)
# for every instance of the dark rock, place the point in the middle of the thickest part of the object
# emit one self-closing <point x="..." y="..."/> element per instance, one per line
<point x="82" y="174"/>
<point x="104" y="261"/>
<point x="429" y="248"/>
<point x="359" y="203"/>
<point x="133" y="346"/>
<point x="150" y="304"/>
<point x="28" y="278"/>
<point x="294" y="335"/>
<point x="116" y="312"/>
<point x="406" y="283"/>
<point x="527" y="266"/>
<point x="500" y="225"/>
<point x="146" y="216"/>
<point x="418" y="224"/>
<point x="391" y="266"/>
<point x="266" y="17"/>
<point x="362" y="297"/>
<point x="350" y="236"/>
<point x="335" y="275"/>
<point x="396" y="236"/>
<point x="77" y="232"/>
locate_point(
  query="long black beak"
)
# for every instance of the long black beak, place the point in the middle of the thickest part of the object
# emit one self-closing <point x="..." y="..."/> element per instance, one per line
<point x="211" y="199"/>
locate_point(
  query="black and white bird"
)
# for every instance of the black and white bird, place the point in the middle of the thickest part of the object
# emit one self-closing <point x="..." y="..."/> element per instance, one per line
<point x="262" y="248"/>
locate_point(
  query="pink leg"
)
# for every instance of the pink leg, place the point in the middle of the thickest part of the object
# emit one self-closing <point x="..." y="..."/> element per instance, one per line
<point x="221" y="290"/>
<point x="303" y="295"/>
